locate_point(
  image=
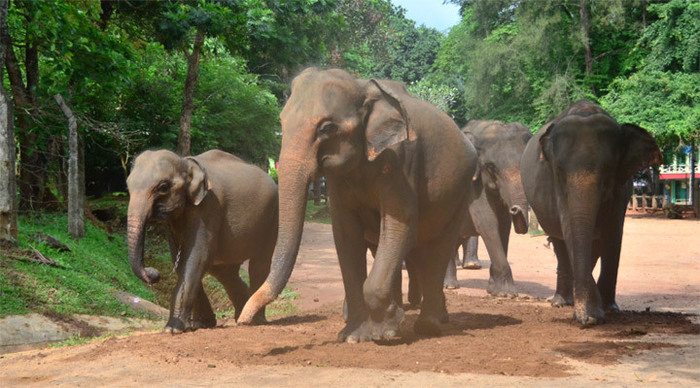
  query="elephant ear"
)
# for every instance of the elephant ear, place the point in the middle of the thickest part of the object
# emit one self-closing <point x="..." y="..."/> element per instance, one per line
<point x="546" y="131"/>
<point x="472" y="139"/>
<point x="386" y="119"/>
<point x="641" y="150"/>
<point x="197" y="182"/>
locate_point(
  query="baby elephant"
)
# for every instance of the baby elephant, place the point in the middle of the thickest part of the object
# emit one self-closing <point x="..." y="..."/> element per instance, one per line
<point x="220" y="211"/>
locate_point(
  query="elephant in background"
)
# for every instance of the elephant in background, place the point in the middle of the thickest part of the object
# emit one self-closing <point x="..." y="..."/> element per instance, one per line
<point x="396" y="169"/>
<point x="220" y="211"/>
<point x="499" y="197"/>
<point x="577" y="174"/>
<point x="470" y="249"/>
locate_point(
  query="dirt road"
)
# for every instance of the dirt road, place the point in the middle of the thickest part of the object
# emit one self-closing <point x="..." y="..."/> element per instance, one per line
<point x="488" y="341"/>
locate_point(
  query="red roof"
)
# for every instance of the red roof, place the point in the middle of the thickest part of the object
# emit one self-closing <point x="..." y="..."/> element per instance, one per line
<point x="667" y="177"/>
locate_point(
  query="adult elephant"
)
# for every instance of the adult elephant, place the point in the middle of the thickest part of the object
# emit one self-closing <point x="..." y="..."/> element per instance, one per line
<point x="577" y="175"/>
<point x="396" y="168"/>
<point x="220" y="211"/>
<point x="499" y="197"/>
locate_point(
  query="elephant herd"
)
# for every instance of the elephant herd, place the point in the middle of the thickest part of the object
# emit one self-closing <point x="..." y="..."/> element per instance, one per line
<point x="404" y="182"/>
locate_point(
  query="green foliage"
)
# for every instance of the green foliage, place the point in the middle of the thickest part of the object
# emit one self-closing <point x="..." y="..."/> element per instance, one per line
<point x="377" y="40"/>
<point x="524" y="60"/>
<point x="234" y="112"/>
<point x="440" y="95"/>
<point x="665" y="103"/>
<point x="272" y="169"/>
<point x="673" y="41"/>
<point x="318" y="213"/>
<point x="94" y="268"/>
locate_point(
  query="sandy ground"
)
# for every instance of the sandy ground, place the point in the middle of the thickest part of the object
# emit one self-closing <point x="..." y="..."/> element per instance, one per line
<point x="487" y="342"/>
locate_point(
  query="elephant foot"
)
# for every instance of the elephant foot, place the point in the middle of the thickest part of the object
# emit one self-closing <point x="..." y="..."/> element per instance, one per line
<point x="175" y="326"/>
<point x="444" y="317"/>
<point x="259" y="318"/>
<point x="612" y="308"/>
<point x="370" y="330"/>
<point x="560" y="301"/>
<point x="414" y="298"/>
<point x="501" y="288"/>
<point x="429" y="326"/>
<point x="412" y="306"/>
<point x="589" y="316"/>
<point x="451" y="284"/>
<point x="203" y="323"/>
<point x="471" y="264"/>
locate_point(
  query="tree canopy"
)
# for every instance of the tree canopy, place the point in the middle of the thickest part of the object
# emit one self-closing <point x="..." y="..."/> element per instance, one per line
<point x="124" y="68"/>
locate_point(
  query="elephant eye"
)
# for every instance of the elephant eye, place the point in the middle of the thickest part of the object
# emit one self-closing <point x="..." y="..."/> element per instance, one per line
<point x="164" y="187"/>
<point x="327" y="128"/>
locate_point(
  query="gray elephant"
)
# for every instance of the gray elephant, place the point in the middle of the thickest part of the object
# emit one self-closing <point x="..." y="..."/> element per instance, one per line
<point x="577" y="173"/>
<point x="499" y="198"/>
<point x="396" y="168"/>
<point x="220" y="211"/>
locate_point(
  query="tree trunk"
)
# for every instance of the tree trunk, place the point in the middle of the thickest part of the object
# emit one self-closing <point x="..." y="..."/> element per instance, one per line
<point x="76" y="193"/>
<point x="585" y="30"/>
<point x="8" y="189"/>
<point x="32" y="174"/>
<point x="184" y="138"/>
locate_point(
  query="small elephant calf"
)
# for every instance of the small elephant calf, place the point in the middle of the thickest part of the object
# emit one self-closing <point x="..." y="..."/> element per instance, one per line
<point x="220" y="211"/>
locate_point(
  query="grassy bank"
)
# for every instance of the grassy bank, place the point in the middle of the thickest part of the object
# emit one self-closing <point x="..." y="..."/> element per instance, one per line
<point x="93" y="269"/>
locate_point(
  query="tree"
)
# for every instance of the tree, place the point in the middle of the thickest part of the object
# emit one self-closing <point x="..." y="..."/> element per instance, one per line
<point x="181" y="24"/>
<point x="663" y="94"/>
<point x="76" y="174"/>
<point x="8" y="190"/>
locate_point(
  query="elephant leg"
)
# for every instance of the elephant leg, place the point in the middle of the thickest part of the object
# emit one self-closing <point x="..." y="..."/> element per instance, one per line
<point x="258" y="269"/>
<point x="451" y="281"/>
<point x="564" y="295"/>
<point x="501" y="277"/>
<point x="470" y="248"/>
<point x="610" y="260"/>
<point x="235" y="287"/>
<point x="415" y="294"/>
<point x="352" y="257"/>
<point x="433" y="260"/>
<point x="189" y="284"/>
<point x="203" y="316"/>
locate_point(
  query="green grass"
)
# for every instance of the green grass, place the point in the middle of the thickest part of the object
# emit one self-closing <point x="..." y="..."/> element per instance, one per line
<point x="95" y="267"/>
<point x="318" y="213"/>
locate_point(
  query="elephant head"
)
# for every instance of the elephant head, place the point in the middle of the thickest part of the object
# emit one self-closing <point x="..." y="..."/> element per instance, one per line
<point x="331" y="125"/>
<point x="500" y="147"/>
<point x="591" y="158"/>
<point x="161" y="185"/>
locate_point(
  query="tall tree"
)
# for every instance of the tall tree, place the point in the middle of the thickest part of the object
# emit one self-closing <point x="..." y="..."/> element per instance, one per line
<point x="185" y="25"/>
<point x="8" y="190"/>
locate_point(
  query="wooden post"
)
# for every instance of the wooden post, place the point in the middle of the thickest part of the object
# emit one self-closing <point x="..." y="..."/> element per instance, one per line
<point x="8" y="184"/>
<point x="76" y="193"/>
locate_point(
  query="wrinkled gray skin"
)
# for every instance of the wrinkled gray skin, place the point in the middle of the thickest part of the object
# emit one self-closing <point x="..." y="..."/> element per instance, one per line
<point x="396" y="168"/>
<point x="220" y="211"/>
<point x="577" y="174"/>
<point x="499" y="199"/>
<point x="470" y="249"/>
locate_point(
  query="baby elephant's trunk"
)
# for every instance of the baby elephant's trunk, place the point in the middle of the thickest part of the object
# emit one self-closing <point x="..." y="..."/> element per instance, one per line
<point x="136" y="234"/>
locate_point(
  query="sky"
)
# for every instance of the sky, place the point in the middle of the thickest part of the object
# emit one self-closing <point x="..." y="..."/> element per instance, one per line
<point x="431" y="13"/>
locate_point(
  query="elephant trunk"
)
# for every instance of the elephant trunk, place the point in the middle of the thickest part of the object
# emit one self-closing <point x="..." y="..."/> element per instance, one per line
<point x="578" y="223"/>
<point x="294" y="179"/>
<point x="518" y="202"/>
<point x="138" y="216"/>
